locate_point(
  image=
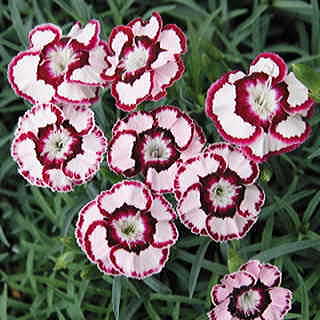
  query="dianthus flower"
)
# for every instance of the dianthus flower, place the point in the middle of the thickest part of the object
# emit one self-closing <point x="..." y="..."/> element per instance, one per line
<point x="153" y="143"/>
<point x="216" y="193"/>
<point x="252" y="293"/>
<point x="58" y="68"/>
<point x="58" y="147"/>
<point x="263" y="111"/>
<point x="143" y="60"/>
<point x="127" y="230"/>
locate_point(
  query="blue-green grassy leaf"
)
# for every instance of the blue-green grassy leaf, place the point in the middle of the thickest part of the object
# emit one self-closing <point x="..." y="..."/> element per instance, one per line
<point x="116" y="296"/>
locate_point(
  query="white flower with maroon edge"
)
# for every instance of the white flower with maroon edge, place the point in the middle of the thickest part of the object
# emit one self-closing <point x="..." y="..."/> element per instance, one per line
<point x="58" y="147"/>
<point x="154" y="143"/>
<point x="216" y="193"/>
<point x="58" y="68"/>
<point x="144" y="59"/>
<point x="252" y="293"/>
<point x="127" y="230"/>
<point x="263" y="112"/>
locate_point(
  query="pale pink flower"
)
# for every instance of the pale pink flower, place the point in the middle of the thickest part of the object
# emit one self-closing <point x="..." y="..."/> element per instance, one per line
<point x="153" y="143"/>
<point x="127" y="230"/>
<point x="263" y="112"/>
<point x="57" y="68"/>
<point x="144" y="59"/>
<point x="58" y="147"/>
<point x="216" y="193"/>
<point x="252" y="293"/>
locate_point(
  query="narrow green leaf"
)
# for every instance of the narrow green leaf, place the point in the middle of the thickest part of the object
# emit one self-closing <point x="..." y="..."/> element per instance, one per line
<point x="4" y="303"/>
<point x="156" y="285"/>
<point x="286" y="248"/>
<point x="314" y="202"/>
<point x="116" y="296"/>
<point x="196" y="267"/>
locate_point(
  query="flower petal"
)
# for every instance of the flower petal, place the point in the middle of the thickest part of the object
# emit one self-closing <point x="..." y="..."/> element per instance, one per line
<point x="280" y="304"/>
<point x="30" y="88"/>
<point x="57" y="180"/>
<point x="129" y="95"/>
<point x="172" y="42"/>
<point x="165" y="76"/>
<point x="142" y="265"/>
<point x="180" y="125"/>
<point x="150" y="28"/>
<point x="271" y="64"/>
<point x="220" y="108"/>
<point x="162" y="209"/>
<point x="291" y="130"/>
<point x="132" y="193"/>
<point x="220" y="292"/>
<point x="228" y="228"/>
<point x="239" y="279"/>
<point x="88" y="214"/>
<point x="39" y="116"/>
<point x="120" y="152"/>
<point x="76" y="93"/>
<point x="90" y="74"/>
<point x="24" y="153"/>
<point x="97" y="248"/>
<point x="166" y="234"/>
<point x="190" y="212"/>
<point x="221" y="312"/>
<point x="253" y="200"/>
<point x="138" y="121"/>
<point x="86" y="37"/>
<point x="43" y="34"/>
<point x="267" y="273"/>
<point x="298" y="98"/>
<point x="80" y="117"/>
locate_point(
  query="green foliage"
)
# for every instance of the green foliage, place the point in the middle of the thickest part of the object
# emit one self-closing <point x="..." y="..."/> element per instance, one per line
<point x="44" y="274"/>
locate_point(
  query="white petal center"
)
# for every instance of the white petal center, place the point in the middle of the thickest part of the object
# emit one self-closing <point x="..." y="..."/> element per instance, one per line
<point x="263" y="100"/>
<point x="130" y="228"/>
<point x="136" y="59"/>
<point x="60" y="59"/>
<point x="57" y="144"/>
<point x="249" y="301"/>
<point x="222" y="193"/>
<point x="156" y="149"/>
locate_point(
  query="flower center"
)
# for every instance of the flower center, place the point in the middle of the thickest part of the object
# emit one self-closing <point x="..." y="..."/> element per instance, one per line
<point x="130" y="228"/>
<point x="249" y="302"/>
<point x="136" y="59"/>
<point x="222" y="193"/>
<point x="60" y="59"/>
<point x="263" y="100"/>
<point x="57" y="144"/>
<point x="155" y="149"/>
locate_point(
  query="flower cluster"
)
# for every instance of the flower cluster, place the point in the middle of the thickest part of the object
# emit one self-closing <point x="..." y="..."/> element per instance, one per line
<point x="127" y="230"/>
<point x="58" y="147"/>
<point x="253" y="292"/>
<point x="264" y="111"/>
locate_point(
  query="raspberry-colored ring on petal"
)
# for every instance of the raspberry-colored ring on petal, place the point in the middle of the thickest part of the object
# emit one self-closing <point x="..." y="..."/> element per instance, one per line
<point x="86" y="38"/>
<point x="119" y="154"/>
<point x="224" y="94"/>
<point x="31" y="89"/>
<point x="220" y="292"/>
<point x="130" y="192"/>
<point x="137" y="121"/>
<point x="100" y="254"/>
<point x="166" y="234"/>
<point x="292" y="130"/>
<point x="180" y="125"/>
<point x="150" y="28"/>
<point x="148" y="262"/>
<point x="129" y="95"/>
<point x="43" y="34"/>
<point x="266" y="62"/>
<point x="190" y="211"/>
<point x="57" y="180"/>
